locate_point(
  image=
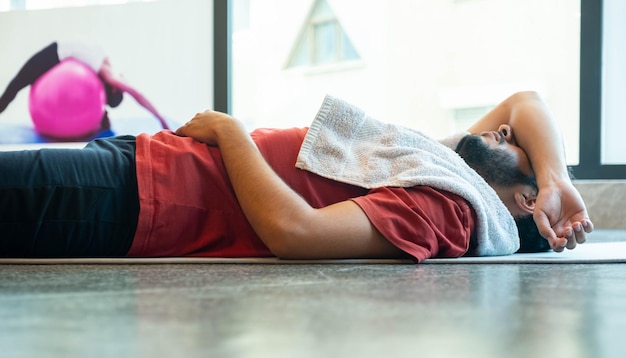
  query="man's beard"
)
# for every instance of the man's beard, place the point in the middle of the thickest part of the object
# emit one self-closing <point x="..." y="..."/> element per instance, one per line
<point x="497" y="167"/>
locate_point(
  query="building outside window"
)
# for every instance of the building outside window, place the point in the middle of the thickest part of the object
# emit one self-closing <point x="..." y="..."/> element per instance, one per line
<point x="322" y="40"/>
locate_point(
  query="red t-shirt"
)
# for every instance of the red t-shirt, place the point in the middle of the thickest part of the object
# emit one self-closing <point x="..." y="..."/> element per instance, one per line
<point x="188" y="207"/>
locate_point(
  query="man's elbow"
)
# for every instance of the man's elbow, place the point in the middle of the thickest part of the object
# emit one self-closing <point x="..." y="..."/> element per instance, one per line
<point x="287" y="241"/>
<point x="524" y="96"/>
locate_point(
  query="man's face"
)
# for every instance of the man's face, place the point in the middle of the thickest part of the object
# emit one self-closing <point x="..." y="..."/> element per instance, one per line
<point x="496" y="157"/>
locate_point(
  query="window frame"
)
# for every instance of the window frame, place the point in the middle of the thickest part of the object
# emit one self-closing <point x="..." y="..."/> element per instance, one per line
<point x="590" y="140"/>
<point x="222" y="54"/>
<point x="590" y="158"/>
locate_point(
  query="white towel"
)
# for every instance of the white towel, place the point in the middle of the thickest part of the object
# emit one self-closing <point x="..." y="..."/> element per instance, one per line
<point x="346" y="145"/>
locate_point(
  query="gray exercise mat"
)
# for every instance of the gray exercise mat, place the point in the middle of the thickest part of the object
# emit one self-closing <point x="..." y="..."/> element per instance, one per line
<point x="589" y="253"/>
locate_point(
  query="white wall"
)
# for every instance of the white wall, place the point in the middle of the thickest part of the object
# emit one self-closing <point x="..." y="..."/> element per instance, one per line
<point x="163" y="48"/>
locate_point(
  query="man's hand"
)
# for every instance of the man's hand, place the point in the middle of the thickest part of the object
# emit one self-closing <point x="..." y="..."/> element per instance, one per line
<point x="204" y="127"/>
<point x="561" y="216"/>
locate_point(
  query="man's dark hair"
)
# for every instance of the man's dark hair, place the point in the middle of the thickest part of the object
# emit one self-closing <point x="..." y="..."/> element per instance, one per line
<point x="530" y="240"/>
<point x="492" y="166"/>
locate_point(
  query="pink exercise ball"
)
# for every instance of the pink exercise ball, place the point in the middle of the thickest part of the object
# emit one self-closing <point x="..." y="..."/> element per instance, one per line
<point x="67" y="101"/>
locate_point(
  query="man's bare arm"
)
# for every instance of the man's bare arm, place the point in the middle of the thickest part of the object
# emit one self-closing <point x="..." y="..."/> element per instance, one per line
<point x="285" y="222"/>
<point x="560" y="213"/>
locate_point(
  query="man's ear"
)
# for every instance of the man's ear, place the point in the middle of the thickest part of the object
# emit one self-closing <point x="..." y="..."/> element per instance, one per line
<point x="525" y="200"/>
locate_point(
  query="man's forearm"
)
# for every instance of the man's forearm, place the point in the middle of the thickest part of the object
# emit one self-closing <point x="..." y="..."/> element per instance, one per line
<point x="272" y="208"/>
<point x="537" y="133"/>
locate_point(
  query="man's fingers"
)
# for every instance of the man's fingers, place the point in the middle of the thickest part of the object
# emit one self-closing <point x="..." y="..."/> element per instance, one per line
<point x="181" y="131"/>
<point x="558" y="244"/>
<point x="570" y="235"/>
<point x="544" y="227"/>
<point x="579" y="233"/>
<point x="581" y="229"/>
<point x="561" y="237"/>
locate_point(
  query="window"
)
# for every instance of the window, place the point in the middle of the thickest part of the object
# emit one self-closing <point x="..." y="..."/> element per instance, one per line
<point x="465" y="117"/>
<point x="241" y="15"/>
<point x="418" y="61"/>
<point x="577" y="62"/>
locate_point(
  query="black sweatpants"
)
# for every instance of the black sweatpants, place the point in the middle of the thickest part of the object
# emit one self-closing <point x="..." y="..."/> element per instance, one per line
<point x="69" y="202"/>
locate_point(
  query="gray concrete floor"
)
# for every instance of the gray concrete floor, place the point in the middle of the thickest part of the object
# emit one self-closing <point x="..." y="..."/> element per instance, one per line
<point x="458" y="310"/>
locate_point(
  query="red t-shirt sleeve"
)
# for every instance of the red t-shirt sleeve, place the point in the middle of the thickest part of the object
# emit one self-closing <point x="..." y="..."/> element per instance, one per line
<point x="421" y="221"/>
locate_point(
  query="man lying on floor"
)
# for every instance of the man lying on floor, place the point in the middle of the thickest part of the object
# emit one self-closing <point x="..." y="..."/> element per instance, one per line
<point x="347" y="187"/>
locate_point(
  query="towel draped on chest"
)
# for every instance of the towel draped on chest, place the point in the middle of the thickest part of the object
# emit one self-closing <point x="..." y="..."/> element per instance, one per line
<point x="347" y="145"/>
